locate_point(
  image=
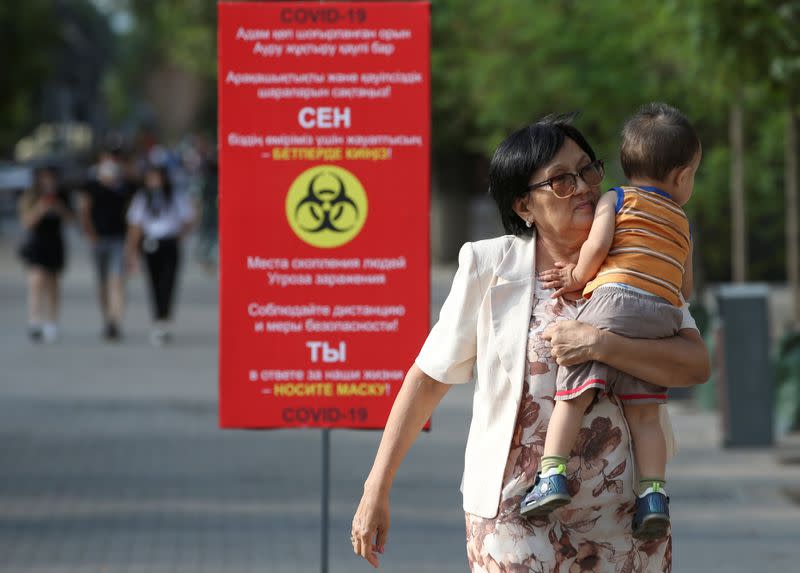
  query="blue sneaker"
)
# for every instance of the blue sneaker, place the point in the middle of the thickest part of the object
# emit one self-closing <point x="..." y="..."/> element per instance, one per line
<point x="651" y="519"/>
<point x="549" y="492"/>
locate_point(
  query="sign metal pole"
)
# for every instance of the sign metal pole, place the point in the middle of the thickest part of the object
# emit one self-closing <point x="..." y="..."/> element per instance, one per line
<point x="326" y="486"/>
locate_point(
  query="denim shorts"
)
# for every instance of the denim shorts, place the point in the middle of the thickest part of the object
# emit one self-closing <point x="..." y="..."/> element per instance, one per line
<point x="109" y="257"/>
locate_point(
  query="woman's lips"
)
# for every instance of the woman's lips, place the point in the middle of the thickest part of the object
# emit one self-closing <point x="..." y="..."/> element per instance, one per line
<point x="585" y="205"/>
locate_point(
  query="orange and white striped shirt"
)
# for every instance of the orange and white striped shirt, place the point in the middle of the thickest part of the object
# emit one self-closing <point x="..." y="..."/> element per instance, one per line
<point x="650" y="246"/>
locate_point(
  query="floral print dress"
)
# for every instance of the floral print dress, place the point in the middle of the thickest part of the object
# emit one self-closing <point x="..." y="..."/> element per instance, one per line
<point x="593" y="532"/>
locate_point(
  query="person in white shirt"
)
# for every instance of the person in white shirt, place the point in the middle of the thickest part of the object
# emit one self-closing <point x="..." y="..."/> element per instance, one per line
<point x="158" y="218"/>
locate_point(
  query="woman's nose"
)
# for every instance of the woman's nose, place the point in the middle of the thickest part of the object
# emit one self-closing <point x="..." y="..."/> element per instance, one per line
<point x="582" y="187"/>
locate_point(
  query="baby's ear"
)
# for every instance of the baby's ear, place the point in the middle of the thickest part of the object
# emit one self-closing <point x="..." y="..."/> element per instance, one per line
<point x="681" y="174"/>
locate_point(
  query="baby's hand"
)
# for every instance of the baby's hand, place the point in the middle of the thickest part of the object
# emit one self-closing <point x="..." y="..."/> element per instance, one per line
<point x="562" y="279"/>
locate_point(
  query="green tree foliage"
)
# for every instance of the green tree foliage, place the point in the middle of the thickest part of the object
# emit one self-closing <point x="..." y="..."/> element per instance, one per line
<point x="499" y="65"/>
<point x="748" y="54"/>
<point x="26" y="40"/>
<point x="180" y="33"/>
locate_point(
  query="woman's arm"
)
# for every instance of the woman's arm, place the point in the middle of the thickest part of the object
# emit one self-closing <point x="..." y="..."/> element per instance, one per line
<point x="679" y="361"/>
<point x="416" y="401"/>
<point x="132" y="239"/>
<point x="30" y="211"/>
<point x="64" y="207"/>
<point x="85" y="216"/>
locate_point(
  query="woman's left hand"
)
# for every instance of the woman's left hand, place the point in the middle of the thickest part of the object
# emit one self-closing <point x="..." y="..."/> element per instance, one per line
<point x="131" y="259"/>
<point x="572" y="342"/>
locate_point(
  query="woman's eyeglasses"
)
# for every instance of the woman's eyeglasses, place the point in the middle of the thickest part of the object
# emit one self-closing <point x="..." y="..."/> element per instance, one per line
<point x="565" y="184"/>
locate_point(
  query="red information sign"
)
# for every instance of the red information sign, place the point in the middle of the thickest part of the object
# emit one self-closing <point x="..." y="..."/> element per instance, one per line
<point x="324" y="128"/>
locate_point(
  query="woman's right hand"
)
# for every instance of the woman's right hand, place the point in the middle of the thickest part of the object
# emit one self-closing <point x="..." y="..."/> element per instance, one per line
<point x="414" y="404"/>
<point x="572" y="342"/>
<point x="44" y="206"/>
<point x="371" y="525"/>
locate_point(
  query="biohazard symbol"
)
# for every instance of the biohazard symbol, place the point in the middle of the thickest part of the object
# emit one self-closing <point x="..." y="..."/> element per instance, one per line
<point x="326" y="206"/>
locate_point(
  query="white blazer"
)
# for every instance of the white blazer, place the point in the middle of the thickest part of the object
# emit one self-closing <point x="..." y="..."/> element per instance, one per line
<point x="483" y="330"/>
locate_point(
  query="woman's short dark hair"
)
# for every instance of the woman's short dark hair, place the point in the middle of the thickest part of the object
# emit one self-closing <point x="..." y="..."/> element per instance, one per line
<point x="51" y="170"/>
<point x="656" y="140"/>
<point x="166" y="188"/>
<point x="520" y="155"/>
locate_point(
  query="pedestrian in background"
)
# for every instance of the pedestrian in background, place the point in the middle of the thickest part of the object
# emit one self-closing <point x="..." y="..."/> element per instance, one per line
<point x="43" y="209"/>
<point x="208" y="241"/>
<point x="158" y="219"/>
<point x="102" y="214"/>
<point x="130" y="167"/>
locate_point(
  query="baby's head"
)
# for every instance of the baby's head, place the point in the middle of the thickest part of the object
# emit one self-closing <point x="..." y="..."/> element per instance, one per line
<point x="661" y="148"/>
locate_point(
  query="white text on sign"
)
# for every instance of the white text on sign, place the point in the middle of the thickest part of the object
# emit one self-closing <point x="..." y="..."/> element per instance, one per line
<point x="328" y="353"/>
<point x="324" y="117"/>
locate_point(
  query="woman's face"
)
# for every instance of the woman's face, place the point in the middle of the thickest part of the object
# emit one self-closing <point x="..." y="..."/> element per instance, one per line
<point x="555" y="217"/>
<point x="46" y="182"/>
<point x="152" y="179"/>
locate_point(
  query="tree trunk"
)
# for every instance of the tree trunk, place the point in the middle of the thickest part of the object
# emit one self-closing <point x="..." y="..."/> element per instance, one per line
<point x="738" y="218"/>
<point x="792" y="235"/>
<point x="176" y="96"/>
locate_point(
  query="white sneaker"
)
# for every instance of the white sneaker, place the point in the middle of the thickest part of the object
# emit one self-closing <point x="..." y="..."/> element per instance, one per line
<point x="50" y="332"/>
<point x="159" y="335"/>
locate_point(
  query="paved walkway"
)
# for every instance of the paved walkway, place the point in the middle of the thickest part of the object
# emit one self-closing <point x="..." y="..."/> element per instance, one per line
<point x="112" y="462"/>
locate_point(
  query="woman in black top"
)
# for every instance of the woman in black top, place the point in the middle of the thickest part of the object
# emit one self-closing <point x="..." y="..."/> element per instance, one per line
<point x="42" y="211"/>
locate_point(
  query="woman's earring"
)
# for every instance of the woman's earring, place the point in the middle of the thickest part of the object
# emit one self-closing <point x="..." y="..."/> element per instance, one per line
<point x="528" y="224"/>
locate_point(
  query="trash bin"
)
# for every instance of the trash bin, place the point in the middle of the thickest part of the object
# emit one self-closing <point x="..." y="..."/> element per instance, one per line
<point x="746" y="393"/>
<point x="706" y="395"/>
<point x="787" y="374"/>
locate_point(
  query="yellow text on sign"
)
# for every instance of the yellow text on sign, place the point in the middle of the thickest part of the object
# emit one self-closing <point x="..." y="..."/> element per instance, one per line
<point x="330" y="389"/>
<point x="331" y="153"/>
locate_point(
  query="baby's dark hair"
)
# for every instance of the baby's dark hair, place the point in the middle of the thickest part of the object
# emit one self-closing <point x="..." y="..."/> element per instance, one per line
<point x="656" y="140"/>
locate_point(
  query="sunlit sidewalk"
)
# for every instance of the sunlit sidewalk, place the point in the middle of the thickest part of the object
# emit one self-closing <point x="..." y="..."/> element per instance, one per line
<point x="732" y="509"/>
<point x="112" y="462"/>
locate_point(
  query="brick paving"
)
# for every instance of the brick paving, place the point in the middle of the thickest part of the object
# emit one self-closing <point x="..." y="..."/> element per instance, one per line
<point x="112" y="462"/>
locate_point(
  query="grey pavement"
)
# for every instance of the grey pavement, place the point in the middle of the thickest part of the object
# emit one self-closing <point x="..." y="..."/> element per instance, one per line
<point x="112" y="462"/>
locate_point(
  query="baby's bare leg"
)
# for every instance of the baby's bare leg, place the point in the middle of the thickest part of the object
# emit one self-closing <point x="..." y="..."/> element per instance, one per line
<point x="550" y="490"/>
<point x="649" y="443"/>
<point x="565" y="422"/>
